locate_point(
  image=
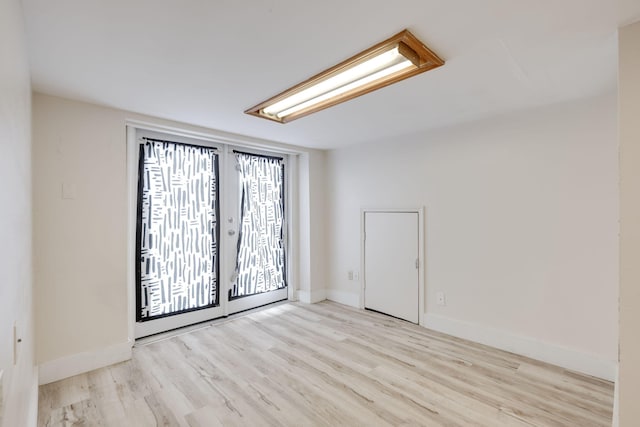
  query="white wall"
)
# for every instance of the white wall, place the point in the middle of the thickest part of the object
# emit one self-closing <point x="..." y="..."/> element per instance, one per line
<point x="311" y="198"/>
<point x="629" y="93"/>
<point x="81" y="244"/>
<point x="317" y="225"/>
<point x="521" y="227"/>
<point x="19" y="383"/>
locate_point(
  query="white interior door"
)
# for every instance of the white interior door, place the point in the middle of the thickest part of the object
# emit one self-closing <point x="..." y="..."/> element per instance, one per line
<point x="391" y="261"/>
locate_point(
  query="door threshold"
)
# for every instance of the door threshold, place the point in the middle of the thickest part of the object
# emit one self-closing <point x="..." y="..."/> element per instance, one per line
<point x="161" y="336"/>
<point x="390" y="315"/>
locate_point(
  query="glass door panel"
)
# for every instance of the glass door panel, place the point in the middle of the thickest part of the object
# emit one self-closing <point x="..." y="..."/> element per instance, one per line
<point x="257" y="230"/>
<point x="177" y="236"/>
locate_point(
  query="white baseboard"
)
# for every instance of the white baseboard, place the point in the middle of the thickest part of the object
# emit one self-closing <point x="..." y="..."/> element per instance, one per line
<point x="568" y="358"/>
<point x="32" y="421"/>
<point x="347" y="298"/>
<point x="80" y="363"/>
<point x="616" y="400"/>
<point x="2" y="388"/>
<point x="312" y="297"/>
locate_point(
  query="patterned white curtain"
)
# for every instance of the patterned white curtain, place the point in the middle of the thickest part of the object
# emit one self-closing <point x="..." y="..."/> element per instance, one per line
<point x="260" y="265"/>
<point x="177" y="229"/>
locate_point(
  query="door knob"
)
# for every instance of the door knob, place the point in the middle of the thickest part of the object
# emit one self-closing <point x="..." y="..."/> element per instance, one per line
<point x="231" y="232"/>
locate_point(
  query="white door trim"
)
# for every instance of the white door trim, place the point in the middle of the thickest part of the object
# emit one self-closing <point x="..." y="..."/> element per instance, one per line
<point x="422" y="266"/>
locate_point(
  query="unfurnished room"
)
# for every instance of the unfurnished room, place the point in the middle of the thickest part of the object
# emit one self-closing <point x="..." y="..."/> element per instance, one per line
<point x="339" y="213"/>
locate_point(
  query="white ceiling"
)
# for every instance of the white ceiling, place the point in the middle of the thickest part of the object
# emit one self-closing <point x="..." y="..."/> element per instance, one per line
<point x="204" y="62"/>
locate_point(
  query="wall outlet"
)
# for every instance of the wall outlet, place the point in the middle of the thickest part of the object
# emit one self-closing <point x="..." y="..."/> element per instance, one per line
<point x="440" y="298"/>
<point x="350" y="275"/>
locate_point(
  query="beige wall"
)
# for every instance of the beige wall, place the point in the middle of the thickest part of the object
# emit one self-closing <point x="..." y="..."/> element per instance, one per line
<point x="81" y="244"/>
<point x="311" y="226"/>
<point x="318" y="225"/>
<point x="19" y="382"/>
<point x="521" y="227"/>
<point x="629" y="106"/>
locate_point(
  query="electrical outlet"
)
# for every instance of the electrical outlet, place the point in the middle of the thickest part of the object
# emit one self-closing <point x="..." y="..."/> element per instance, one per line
<point x="440" y="298"/>
<point x="350" y="275"/>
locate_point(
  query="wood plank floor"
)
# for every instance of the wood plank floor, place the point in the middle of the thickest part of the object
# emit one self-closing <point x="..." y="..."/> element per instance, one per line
<point x="324" y="365"/>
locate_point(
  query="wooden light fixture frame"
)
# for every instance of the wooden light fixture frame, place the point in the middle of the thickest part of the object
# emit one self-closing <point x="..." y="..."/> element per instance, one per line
<point x="423" y="58"/>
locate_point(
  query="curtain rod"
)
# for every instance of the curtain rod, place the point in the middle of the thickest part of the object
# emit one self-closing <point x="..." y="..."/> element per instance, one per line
<point x="258" y="155"/>
<point x="178" y="143"/>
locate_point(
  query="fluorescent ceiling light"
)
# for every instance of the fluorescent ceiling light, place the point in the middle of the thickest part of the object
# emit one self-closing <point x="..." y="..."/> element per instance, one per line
<point x="395" y="59"/>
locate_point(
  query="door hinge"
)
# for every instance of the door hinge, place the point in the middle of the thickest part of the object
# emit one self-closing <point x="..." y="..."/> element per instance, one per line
<point x="417" y="262"/>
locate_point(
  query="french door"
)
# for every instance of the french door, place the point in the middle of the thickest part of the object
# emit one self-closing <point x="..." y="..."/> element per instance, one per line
<point x="210" y="234"/>
<point x="256" y="229"/>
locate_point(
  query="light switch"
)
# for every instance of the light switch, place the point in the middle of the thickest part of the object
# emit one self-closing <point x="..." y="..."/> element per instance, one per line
<point x="69" y="191"/>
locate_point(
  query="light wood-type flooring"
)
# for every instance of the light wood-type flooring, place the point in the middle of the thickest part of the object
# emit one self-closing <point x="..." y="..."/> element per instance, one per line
<point x="324" y="365"/>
